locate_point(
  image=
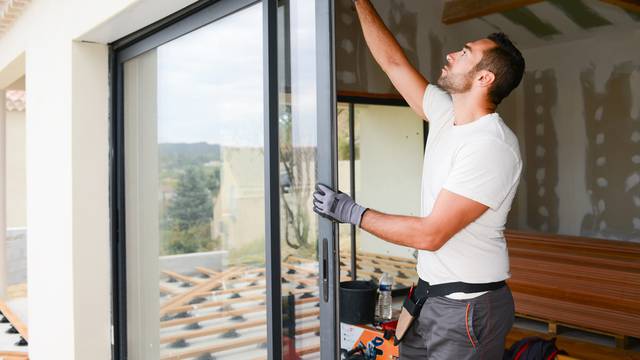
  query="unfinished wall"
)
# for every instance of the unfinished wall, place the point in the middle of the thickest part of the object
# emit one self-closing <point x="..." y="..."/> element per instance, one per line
<point x="579" y="110"/>
<point x="415" y="24"/>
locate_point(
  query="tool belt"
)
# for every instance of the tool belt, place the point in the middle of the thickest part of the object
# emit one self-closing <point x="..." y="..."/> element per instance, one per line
<point x="418" y="295"/>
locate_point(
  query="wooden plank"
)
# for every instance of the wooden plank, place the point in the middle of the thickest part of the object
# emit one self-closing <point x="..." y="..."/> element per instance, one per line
<point x="224" y="328"/>
<point x="14" y="320"/>
<point x="575" y="243"/>
<point x="205" y="286"/>
<point x="208" y="304"/>
<point x="300" y="269"/>
<point x="227" y="313"/>
<point x="232" y="290"/>
<point x="583" y="283"/>
<point x="207" y="271"/>
<point x="455" y="11"/>
<point x="167" y="290"/>
<point x="13" y="355"/>
<point x="398" y="259"/>
<point x="578" y="315"/>
<point x="230" y="345"/>
<point x="300" y="260"/>
<point x="631" y="5"/>
<point x="183" y="278"/>
<point x="301" y="280"/>
<point x="216" y="303"/>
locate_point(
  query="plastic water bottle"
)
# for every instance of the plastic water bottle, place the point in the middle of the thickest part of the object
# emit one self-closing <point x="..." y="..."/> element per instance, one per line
<point x="383" y="306"/>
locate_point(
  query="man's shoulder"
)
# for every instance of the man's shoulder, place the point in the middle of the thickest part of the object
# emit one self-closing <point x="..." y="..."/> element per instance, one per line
<point x="496" y="134"/>
<point x="489" y="145"/>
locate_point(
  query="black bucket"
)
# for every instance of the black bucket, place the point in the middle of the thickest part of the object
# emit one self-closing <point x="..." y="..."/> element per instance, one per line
<point x="358" y="302"/>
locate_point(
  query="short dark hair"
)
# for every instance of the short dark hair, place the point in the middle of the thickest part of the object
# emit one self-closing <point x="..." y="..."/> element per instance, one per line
<point x="507" y="64"/>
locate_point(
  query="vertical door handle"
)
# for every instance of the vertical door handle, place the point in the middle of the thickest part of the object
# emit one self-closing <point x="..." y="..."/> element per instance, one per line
<point x="325" y="270"/>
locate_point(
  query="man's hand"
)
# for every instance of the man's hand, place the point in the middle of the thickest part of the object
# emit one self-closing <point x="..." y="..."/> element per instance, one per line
<point x="336" y="206"/>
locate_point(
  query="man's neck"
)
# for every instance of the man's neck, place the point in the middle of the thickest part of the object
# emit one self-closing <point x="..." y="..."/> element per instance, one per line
<point x="468" y="108"/>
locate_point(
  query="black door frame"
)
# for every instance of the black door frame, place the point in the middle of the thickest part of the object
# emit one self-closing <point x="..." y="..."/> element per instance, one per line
<point x="187" y="20"/>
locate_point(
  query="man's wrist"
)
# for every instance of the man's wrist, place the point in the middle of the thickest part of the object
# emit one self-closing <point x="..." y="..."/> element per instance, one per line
<point x="362" y="211"/>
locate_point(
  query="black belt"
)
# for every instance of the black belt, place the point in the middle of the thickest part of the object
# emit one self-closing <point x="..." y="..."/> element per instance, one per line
<point x="419" y="294"/>
<point x="425" y="290"/>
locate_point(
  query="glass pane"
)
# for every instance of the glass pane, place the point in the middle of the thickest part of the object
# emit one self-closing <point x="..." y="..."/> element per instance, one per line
<point x="390" y="156"/>
<point x="298" y="147"/>
<point x="195" y="195"/>
<point x="344" y="185"/>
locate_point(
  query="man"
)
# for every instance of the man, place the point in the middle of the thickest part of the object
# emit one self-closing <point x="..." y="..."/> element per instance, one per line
<point x="472" y="167"/>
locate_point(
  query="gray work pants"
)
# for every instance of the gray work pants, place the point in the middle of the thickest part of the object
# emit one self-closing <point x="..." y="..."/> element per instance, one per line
<point x="473" y="329"/>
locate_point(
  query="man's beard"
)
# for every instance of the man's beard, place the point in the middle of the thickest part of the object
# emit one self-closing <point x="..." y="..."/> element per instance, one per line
<point x="456" y="83"/>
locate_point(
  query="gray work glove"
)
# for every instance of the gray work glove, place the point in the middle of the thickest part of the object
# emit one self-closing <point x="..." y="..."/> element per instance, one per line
<point x="336" y="206"/>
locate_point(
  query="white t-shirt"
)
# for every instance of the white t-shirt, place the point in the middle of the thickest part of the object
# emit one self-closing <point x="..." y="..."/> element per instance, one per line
<point x="481" y="161"/>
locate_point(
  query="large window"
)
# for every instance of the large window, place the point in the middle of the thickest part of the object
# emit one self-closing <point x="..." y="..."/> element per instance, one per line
<point x="217" y="151"/>
<point x="194" y="179"/>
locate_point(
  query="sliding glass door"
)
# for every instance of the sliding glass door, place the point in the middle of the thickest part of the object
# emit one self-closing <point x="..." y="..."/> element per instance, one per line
<point x="217" y="148"/>
<point x="305" y="156"/>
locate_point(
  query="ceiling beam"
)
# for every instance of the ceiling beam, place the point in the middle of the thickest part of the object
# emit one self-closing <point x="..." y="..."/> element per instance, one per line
<point x="455" y="11"/>
<point x="631" y="5"/>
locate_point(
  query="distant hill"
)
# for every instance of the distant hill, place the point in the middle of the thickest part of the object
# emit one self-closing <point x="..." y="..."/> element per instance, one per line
<point x="181" y="155"/>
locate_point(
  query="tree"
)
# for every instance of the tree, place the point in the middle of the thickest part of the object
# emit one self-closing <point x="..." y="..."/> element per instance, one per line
<point x="189" y="215"/>
<point x="192" y="202"/>
<point x="295" y="184"/>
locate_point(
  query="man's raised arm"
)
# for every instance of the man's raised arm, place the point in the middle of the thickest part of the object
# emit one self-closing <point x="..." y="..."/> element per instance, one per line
<point x="390" y="56"/>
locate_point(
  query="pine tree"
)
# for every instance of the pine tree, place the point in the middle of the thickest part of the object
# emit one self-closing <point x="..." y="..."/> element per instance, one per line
<point x="191" y="205"/>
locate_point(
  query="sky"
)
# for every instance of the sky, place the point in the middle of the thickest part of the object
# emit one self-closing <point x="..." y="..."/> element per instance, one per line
<point x="210" y="81"/>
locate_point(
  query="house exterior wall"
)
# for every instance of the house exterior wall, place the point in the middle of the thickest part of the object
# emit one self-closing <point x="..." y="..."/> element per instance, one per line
<point x="67" y="162"/>
<point x="15" y="169"/>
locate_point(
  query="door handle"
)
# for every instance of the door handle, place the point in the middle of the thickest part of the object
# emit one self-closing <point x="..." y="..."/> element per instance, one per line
<point x="325" y="270"/>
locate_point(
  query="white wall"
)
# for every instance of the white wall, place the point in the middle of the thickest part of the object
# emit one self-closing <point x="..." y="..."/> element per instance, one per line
<point x="390" y="167"/>
<point x="15" y="172"/>
<point x="67" y="164"/>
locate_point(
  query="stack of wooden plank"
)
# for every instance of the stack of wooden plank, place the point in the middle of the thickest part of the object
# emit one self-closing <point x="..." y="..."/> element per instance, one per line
<point x="584" y="283"/>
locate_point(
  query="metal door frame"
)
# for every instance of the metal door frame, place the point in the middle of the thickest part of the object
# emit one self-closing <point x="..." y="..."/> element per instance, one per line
<point x="187" y="20"/>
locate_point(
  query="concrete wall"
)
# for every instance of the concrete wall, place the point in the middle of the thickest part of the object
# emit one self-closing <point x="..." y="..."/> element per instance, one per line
<point x="579" y="126"/>
<point x="416" y="25"/>
<point x="186" y="263"/>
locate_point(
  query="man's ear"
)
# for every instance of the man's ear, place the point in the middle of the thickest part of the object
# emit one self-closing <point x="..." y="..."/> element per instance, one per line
<point x="485" y="78"/>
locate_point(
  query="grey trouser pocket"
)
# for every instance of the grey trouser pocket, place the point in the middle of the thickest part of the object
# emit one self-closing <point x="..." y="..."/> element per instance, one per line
<point x="450" y="329"/>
